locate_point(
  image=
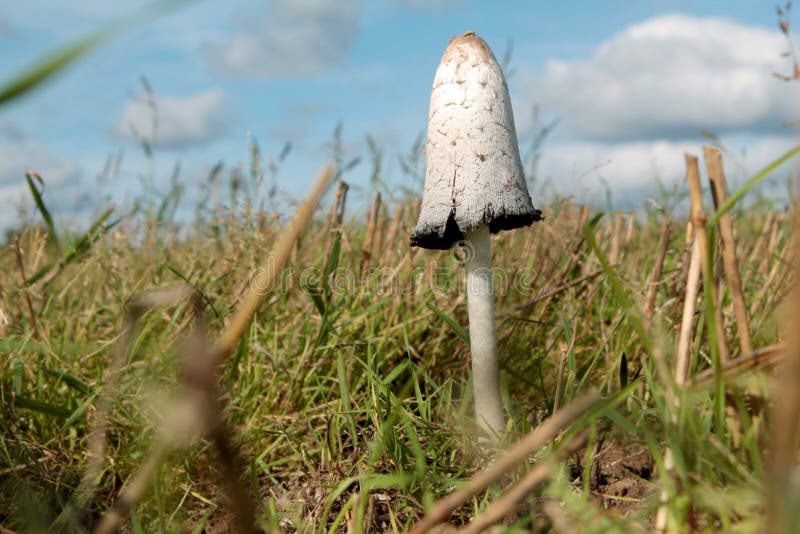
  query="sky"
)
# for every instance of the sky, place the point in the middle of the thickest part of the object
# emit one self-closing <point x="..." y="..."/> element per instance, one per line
<point x="628" y="87"/>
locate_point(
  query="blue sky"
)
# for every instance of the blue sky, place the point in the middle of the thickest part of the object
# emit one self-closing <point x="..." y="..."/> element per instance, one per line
<point x="631" y="84"/>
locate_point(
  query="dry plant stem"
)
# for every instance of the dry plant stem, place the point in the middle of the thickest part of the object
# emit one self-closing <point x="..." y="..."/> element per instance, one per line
<point x="512" y="497"/>
<point x="687" y="320"/>
<point x="562" y="366"/>
<point x="759" y="359"/>
<point x="763" y="238"/>
<point x="631" y="226"/>
<point x="261" y="284"/>
<point x="372" y="225"/>
<point x="699" y="223"/>
<point x="716" y="176"/>
<point x="482" y="333"/>
<point x="133" y="492"/>
<point x="786" y="413"/>
<point x="681" y="366"/>
<point x="25" y="290"/>
<point x="134" y="309"/>
<point x="780" y="267"/>
<point x="616" y="236"/>
<point x="199" y="377"/>
<point x="528" y="445"/>
<point x="526" y="307"/>
<point x="657" y="268"/>
<point x="337" y="214"/>
<point x="773" y="241"/>
<point x="395" y="226"/>
<point x="96" y="445"/>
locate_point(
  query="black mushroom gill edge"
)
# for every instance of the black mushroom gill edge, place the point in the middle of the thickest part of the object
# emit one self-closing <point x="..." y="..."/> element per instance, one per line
<point x="430" y="238"/>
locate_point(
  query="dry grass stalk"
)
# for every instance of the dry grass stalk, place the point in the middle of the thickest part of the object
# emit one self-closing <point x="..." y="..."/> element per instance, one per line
<point x="340" y="201"/>
<point x="256" y="290"/>
<point x="527" y="446"/>
<point x="506" y="504"/>
<point x="526" y="307"/>
<point x="629" y="229"/>
<point x="780" y="267"/>
<point x="698" y="218"/>
<point x="25" y="289"/>
<point x="763" y="237"/>
<point x="574" y="255"/>
<point x="681" y="371"/>
<point x="657" y="269"/>
<point x="759" y="359"/>
<point x="716" y="176"/>
<point x="202" y="413"/>
<point x="195" y="412"/>
<point x="394" y="228"/>
<point x="786" y="413"/>
<point x="96" y="441"/>
<point x="687" y="319"/>
<point x="336" y="218"/>
<point x="134" y="490"/>
<point x="616" y="238"/>
<point x="562" y="367"/>
<point x="369" y="239"/>
<point x="774" y="235"/>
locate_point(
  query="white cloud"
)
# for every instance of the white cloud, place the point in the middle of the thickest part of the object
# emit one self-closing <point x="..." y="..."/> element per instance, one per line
<point x="670" y="77"/>
<point x="633" y="169"/>
<point x="295" y="38"/>
<point x="181" y="120"/>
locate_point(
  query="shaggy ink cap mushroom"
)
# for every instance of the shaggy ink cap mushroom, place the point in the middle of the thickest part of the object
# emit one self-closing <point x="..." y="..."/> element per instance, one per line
<point x="473" y="169"/>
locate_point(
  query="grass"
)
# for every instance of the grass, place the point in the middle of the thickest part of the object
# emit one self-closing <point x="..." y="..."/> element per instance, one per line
<point x="349" y="394"/>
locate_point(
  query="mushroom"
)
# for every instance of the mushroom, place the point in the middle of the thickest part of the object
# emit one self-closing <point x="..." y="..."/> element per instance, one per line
<point x="474" y="187"/>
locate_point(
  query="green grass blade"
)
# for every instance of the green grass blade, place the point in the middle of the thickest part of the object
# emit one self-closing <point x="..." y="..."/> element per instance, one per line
<point x="752" y="182"/>
<point x="40" y="205"/>
<point x="457" y="328"/>
<point x="50" y="65"/>
<point x="41" y="407"/>
<point x="616" y="285"/>
<point x="79" y="247"/>
<point x="45" y="68"/>
<point x="68" y="379"/>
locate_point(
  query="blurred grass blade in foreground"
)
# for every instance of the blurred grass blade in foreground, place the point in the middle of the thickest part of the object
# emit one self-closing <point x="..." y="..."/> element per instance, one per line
<point x="51" y="64"/>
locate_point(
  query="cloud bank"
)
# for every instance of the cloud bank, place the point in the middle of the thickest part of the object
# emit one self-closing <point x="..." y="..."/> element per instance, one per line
<point x="294" y="38"/>
<point x="670" y="77"/>
<point x="643" y="97"/>
<point x="181" y="120"/>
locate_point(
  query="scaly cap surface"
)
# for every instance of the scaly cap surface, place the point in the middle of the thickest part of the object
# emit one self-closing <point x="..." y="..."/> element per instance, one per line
<point x="473" y="170"/>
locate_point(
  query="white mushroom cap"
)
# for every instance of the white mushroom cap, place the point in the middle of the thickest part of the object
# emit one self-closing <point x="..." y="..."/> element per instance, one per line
<point x="474" y="173"/>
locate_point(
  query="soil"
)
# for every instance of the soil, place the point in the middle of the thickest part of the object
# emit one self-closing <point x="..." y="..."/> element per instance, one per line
<point x="620" y="474"/>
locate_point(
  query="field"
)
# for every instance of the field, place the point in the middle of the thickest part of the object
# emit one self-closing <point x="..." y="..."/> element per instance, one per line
<point x="347" y="404"/>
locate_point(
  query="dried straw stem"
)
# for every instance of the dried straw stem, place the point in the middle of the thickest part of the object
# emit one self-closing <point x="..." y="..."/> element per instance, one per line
<point x="689" y="301"/>
<point x="716" y="176"/>
<point x="25" y="289"/>
<point x="698" y="218"/>
<point x="528" y="445"/>
<point x="394" y="228"/>
<point x="369" y="238"/>
<point x="655" y="278"/>
<point x="509" y="500"/>
<point x="759" y="359"/>
<point x="785" y="416"/>
<point x="265" y="279"/>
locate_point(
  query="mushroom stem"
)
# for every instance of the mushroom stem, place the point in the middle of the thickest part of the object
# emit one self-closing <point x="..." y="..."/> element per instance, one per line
<point x="482" y="335"/>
